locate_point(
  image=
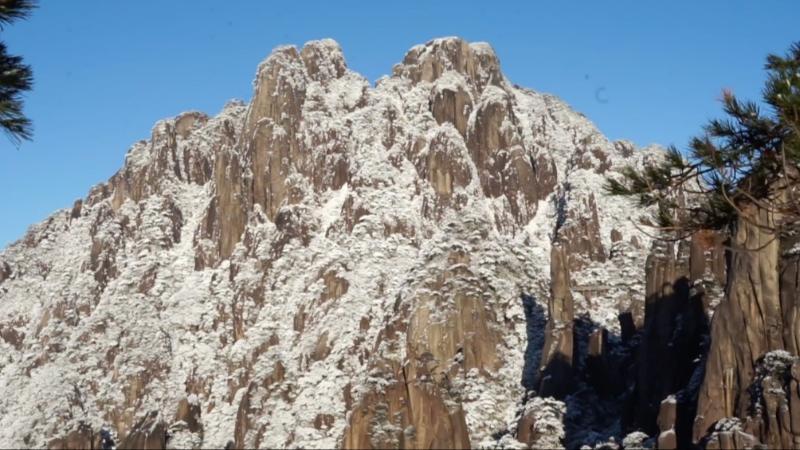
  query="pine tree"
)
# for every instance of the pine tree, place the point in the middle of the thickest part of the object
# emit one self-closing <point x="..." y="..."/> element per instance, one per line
<point x="16" y="77"/>
<point x="749" y="157"/>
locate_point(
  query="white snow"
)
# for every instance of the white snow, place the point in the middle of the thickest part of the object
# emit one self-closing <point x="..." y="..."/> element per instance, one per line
<point x="102" y="343"/>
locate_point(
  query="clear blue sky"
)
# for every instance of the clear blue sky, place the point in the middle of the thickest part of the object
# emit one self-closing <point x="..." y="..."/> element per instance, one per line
<point x="106" y="71"/>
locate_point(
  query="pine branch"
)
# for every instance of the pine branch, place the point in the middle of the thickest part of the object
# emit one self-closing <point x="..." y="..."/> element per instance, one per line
<point x="12" y="10"/>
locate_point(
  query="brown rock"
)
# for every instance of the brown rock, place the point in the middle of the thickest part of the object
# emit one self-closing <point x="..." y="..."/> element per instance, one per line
<point x="667" y="440"/>
<point x="137" y="181"/>
<point x="299" y="321"/>
<point x="454" y="106"/>
<point x="667" y="414"/>
<point x="81" y="438"/>
<point x="77" y="207"/>
<point x="580" y="234"/>
<point x="598" y="366"/>
<point x="9" y="334"/>
<point x="335" y="286"/>
<point x="190" y="413"/>
<point x="226" y="215"/>
<point x="526" y="429"/>
<point x="794" y="407"/>
<point x="789" y="272"/>
<point x="149" y="433"/>
<point x="466" y="330"/>
<point x="556" y="364"/>
<point x="323" y="421"/>
<point x="322" y="349"/>
<point x="352" y="212"/>
<point x="323" y="59"/>
<point x="5" y="271"/>
<point x="244" y="422"/>
<point x="754" y="300"/>
<point x="416" y="397"/>
<point x="271" y="127"/>
<point x="674" y="325"/>
<point x="476" y="62"/>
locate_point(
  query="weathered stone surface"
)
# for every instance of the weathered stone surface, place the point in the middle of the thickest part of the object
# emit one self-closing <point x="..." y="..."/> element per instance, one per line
<point x="556" y="369"/>
<point x="81" y="438"/>
<point x="244" y="418"/>
<point x="667" y="440"/>
<point x="679" y="283"/>
<point x="477" y="62"/>
<point x="77" y="207"/>
<point x="335" y="286"/>
<point x="754" y="300"/>
<point x="789" y="267"/>
<point x="310" y="212"/>
<point x="419" y="393"/>
<point x="190" y="413"/>
<point x="255" y="394"/>
<point x="323" y="59"/>
<point x="150" y="433"/>
<point x="540" y="423"/>
<point x="226" y="214"/>
<point x="667" y="413"/>
<point x="5" y="271"/>
<point x="580" y="234"/>
<point x="452" y="104"/>
<point x="447" y="165"/>
<point x="165" y="159"/>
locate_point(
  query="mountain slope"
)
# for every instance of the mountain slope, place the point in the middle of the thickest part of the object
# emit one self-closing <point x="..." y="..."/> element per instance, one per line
<point x="333" y="264"/>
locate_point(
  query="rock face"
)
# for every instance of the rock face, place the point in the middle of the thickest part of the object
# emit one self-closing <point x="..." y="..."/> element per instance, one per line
<point x="557" y="358"/>
<point x="340" y="264"/>
<point x="750" y="373"/>
<point x="679" y="286"/>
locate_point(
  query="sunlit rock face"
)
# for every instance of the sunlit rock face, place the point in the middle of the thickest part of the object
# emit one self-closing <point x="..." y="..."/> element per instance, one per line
<point x="335" y="263"/>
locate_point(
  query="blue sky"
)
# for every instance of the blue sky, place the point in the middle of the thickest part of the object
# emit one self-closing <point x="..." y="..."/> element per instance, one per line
<point x="106" y="71"/>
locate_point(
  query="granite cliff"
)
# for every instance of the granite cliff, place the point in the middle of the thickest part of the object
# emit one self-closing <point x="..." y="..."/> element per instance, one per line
<point x="428" y="261"/>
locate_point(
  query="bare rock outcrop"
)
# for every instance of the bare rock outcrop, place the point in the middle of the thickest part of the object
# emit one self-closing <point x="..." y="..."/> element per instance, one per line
<point x="667" y="414"/>
<point x="335" y="263"/>
<point x="753" y="298"/>
<point x="83" y="437"/>
<point x="150" y="433"/>
<point x="170" y="153"/>
<point x="557" y="355"/>
<point x="5" y="271"/>
<point x="449" y="333"/>
<point x="477" y="62"/>
<point x="579" y="233"/>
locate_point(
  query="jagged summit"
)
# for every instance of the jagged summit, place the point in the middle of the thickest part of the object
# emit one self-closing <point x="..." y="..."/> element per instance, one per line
<point x="331" y="264"/>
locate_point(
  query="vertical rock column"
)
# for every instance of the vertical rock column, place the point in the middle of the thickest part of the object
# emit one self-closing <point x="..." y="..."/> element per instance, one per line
<point x="746" y="325"/>
<point x="557" y="355"/>
<point x="666" y="424"/>
<point x="679" y="287"/>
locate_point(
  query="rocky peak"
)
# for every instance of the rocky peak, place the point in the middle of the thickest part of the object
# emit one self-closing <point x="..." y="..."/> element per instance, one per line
<point x="333" y="263"/>
<point x="476" y="62"/>
<point x="323" y="59"/>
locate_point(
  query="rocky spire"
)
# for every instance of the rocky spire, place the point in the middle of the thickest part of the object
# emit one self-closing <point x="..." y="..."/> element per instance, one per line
<point x="557" y="358"/>
<point x="332" y="264"/>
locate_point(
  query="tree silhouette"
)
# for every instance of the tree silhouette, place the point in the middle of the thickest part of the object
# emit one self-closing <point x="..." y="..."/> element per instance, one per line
<point x="748" y="157"/>
<point x="16" y="77"/>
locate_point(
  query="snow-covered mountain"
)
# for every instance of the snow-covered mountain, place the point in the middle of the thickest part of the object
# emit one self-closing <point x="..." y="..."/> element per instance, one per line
<point x="336" y="264"/>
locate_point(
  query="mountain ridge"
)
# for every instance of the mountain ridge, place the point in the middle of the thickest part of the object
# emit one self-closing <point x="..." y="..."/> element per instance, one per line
<point x="292" y="270"/>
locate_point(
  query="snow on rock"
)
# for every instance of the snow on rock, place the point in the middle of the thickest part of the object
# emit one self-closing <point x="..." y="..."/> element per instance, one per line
<point x="331" y="264"/>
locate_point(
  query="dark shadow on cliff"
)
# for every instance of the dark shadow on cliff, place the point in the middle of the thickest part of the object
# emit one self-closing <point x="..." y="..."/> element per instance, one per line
<point x="599" y="400"/>
<point x="620" y="379"/>
<point x="535" y="322"/>
<point x="671" y="357"/>
<point x="617" y="379"/>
